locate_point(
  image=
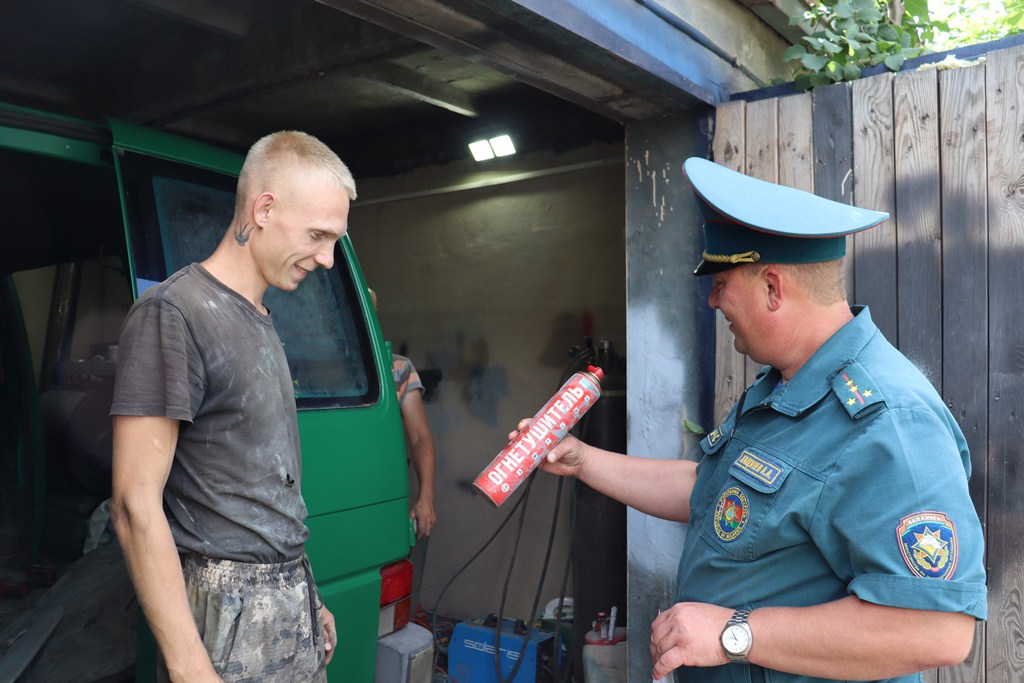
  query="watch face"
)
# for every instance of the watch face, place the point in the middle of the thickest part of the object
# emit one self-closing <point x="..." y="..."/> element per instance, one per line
<point x="736" y="640"/>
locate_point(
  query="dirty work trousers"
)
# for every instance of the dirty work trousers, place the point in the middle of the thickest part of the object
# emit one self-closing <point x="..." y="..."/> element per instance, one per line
<point x="259" y="622"/>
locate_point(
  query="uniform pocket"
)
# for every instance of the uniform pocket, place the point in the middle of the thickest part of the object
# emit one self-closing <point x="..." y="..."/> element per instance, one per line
<point x="745" y="499"/>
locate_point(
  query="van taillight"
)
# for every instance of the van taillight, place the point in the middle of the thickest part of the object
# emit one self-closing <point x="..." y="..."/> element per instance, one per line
<point x="395" y="597"/>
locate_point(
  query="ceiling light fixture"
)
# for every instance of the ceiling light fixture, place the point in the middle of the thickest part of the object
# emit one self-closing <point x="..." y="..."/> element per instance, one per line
<point x="500" y="146"/>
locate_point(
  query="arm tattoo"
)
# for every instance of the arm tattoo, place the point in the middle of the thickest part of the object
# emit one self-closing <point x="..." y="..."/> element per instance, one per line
<point x="242" y="234"/>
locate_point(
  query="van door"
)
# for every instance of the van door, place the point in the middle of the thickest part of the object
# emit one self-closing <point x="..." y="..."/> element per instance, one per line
<point x="178" y="200"/>
<point x="63" y="293"/>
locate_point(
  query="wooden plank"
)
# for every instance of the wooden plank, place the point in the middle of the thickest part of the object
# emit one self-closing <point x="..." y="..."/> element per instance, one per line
<point x="796" y="157"/>
<point x="1004" y="103"/>
<point x="833" y="150"/>
<point x="874" y="172"/>
<point x="919" y="246"/>
<point x="762" y="151"/>
<point x="728" y="147"/>
<point x="762" y="155"/>
<point x="962" y="153"/>
<point x="729" y="143"/>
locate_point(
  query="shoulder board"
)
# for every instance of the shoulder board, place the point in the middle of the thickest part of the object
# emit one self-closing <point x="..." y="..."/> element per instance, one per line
<point x="856" y="389"/>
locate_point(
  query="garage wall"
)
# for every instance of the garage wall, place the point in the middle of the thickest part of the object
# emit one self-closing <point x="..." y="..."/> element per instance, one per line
<point x="490" y="273"/>
<point x="670" y="352"/>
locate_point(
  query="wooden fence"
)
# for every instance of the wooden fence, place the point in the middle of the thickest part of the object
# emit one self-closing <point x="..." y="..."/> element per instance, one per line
<point x="943" y="152"/>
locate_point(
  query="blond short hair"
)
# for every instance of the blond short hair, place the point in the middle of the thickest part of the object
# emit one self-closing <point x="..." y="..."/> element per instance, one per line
<point x="283" y="151"/>
<point x="824" y="281"/>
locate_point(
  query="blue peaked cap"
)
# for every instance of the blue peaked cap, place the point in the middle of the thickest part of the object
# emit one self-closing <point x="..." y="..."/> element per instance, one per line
<point x="747" y="220"/>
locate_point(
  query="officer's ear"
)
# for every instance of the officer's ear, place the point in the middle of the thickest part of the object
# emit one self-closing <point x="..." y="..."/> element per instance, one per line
<point x="775" y="285"/>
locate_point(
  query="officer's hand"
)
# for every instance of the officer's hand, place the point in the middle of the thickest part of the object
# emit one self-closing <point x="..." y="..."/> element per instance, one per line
<point x="688" y="633"/>
<point x="564" y="459"/>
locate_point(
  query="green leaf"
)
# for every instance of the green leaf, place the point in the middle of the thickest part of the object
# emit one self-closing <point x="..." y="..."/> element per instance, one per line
<point x="888" y="32"/>
<point x="868" y="14"/>
<point x="894" y="62"/>
<point x="813" y="62"/>
<point x="831" y="47"/>
<point x="843" y="9"/>
<point x="793" y="52"/>
<point x="818" y="80"/>
<point x="917" y="9"/>
<point x="846" y="26"/>
<point x="694" y="427"/>
<point x="851" y="71"/>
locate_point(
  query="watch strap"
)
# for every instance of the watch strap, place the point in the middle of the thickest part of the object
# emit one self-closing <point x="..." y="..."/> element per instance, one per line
<point x="740" y="616"/>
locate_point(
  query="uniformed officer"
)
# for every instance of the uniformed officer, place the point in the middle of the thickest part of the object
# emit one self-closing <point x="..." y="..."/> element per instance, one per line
<point x="832" y="535"/>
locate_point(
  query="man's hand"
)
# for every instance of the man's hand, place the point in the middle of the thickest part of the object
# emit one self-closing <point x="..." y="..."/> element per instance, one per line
<point x="330" y="632"/>
<point x="423" y="512"/>
<point x="688" y="633"/>
<point x="564" y="459"/>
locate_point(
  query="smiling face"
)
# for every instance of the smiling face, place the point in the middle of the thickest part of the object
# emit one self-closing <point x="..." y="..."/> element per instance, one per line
<point x="298" y="226"/>
<point x="734" y="292"/>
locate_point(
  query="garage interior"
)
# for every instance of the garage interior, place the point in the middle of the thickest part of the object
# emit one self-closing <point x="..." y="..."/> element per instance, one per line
<point x="488" y="273"/>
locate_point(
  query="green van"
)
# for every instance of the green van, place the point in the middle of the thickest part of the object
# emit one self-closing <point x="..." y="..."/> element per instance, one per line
<point x="95" y="212"/>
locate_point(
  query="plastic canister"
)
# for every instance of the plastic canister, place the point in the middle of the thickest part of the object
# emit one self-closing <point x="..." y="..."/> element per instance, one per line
<point x="604" y="661"/>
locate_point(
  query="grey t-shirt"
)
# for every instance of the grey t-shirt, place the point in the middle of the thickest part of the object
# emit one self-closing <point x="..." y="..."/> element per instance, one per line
<point x="194" y="350"/>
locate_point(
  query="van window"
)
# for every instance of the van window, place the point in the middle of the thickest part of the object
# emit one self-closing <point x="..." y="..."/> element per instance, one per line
<point x="178" y="214"/>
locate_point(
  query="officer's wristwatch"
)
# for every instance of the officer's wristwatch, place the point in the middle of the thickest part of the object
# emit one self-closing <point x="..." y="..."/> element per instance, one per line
<point x="736" y="637"/>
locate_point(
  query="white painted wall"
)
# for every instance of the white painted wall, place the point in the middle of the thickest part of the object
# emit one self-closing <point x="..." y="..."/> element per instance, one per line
<point x="492" y="285"/>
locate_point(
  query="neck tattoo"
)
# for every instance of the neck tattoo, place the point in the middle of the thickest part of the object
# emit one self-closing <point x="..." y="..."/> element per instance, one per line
<point x="242" y="234"/>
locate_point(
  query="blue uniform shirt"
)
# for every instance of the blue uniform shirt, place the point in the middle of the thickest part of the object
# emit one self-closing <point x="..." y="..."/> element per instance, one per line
<point x="849" y="479"/>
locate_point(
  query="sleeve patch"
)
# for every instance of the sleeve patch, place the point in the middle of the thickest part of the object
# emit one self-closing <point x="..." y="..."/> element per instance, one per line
<point x="929" y="544"/>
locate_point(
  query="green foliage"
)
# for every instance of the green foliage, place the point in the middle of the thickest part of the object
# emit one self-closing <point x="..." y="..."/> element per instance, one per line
<point x="851" y="35"/>
<point x="984" y="20"/>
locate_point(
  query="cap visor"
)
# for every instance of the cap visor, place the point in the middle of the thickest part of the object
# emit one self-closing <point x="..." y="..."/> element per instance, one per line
<point x="705" y="268"/>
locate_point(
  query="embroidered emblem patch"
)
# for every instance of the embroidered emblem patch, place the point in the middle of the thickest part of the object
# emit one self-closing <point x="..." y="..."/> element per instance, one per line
<point x="731" y="514"/>
<point x="929" y="544"/>
<point x="714" y="437"/>
<point x="758" y="467"/>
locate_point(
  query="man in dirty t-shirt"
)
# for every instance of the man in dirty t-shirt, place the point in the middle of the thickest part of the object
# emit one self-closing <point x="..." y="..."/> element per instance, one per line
<point x="207" y="497"/>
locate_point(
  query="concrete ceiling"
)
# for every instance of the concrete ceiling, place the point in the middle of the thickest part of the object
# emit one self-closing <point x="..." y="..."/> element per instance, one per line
<point x="391" y="85"/>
